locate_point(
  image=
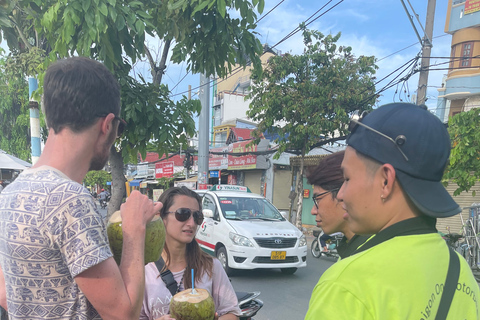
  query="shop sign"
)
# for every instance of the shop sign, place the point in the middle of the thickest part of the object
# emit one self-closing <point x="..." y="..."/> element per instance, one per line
<point x="472" y="6"/>
<point x="163" y="169"/>
<point x="218" y="161"/>
<point x="214" y="174"/>
<point x="244" y="162"/>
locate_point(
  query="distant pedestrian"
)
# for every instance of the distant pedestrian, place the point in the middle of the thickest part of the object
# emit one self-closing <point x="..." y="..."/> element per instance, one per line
<point x="392" y="188"/>
<point x="55" y="256"/>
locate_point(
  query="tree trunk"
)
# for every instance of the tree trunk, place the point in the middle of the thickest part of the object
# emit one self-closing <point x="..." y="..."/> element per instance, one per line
<point x="292" y="196"/>
<point x="118" y="181"/>
<point x="157" y="72"/>
<point x="300" y="193"/>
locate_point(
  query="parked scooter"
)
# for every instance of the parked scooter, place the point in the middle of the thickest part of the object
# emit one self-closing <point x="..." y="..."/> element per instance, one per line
<point x="249" y="304"/>
<point x="332" y="244"/>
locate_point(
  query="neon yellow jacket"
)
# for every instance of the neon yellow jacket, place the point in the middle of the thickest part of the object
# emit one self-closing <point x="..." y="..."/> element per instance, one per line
<point x="401" y="278"/>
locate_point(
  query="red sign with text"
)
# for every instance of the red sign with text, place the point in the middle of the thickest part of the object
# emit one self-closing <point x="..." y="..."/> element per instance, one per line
<point x="472" y="6"/>
<point x="163" y="169"/>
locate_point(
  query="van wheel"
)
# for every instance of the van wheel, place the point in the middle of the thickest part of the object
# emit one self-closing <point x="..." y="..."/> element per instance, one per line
<point x="288" y="270"/>
<point x="223" y="258"/>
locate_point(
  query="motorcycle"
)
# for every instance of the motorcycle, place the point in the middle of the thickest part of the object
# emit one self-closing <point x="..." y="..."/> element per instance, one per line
<point x="104" y="202"/>
<point x="332" y="244"/>
<point x="249" y="304"/>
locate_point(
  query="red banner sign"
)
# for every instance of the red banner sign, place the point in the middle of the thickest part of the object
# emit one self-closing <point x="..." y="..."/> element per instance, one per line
<point x="163" y="169"/>
<point x="472" y="6"/>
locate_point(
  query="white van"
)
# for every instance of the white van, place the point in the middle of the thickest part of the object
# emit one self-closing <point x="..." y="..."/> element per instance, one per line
<point x="245" y="231"/>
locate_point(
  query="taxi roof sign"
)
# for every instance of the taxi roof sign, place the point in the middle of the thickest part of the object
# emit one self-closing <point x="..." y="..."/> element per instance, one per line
<point x="229" y="187"/>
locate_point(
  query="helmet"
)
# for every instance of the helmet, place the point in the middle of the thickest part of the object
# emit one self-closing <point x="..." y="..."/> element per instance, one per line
<point x="103" y="189"/>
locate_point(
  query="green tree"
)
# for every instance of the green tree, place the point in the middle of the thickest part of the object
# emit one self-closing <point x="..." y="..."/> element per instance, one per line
<point x="114" y="31"/>
<point x="464" y="166"/>
<point x="97" y="178"/>
<point x="14" y="131"/>
<point x="308" y="98"/>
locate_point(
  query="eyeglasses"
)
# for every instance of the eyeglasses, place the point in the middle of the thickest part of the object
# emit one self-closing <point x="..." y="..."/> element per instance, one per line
<point x="183" y="214"/>
<point x="315" y="197"/>
<point x="121" y="125"/>
<point x="355" y="121"/>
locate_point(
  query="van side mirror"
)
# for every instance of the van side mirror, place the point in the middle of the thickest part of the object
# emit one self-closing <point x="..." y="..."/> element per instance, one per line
<point x="207" y="213"/>
<point x="284" y="214"/>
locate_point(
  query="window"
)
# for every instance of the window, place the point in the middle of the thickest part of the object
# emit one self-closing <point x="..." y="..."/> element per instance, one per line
<point x="452" y="57"/>
<point x="467" y="49"/>
<point x="208" y="203"/>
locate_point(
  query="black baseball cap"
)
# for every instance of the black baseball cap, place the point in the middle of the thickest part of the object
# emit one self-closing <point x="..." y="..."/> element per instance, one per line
<point x="419" y="149"/>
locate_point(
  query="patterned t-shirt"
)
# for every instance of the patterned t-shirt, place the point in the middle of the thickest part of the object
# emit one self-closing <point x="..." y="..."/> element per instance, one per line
<point x="50" y="231"/>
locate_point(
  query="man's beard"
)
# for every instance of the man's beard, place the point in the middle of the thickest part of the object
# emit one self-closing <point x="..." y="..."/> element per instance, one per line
<point x="99" y="161"/>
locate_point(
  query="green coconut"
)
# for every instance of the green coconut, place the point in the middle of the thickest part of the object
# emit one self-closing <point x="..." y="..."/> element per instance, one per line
<point x="188" y="305"/>
<point x="154" y="238"/>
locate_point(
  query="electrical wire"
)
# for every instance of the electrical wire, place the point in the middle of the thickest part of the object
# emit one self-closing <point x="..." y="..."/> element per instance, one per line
<point x="240" y="68"/>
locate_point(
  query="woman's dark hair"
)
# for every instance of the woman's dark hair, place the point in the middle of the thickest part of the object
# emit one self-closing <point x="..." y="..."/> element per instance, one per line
<point x="76" y="92"/>
<point x="328" y="174"/>
<point x="196" y="259"/>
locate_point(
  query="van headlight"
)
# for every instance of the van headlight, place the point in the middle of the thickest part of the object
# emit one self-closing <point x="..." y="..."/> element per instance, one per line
<point x="240" y="240"/>
<point x="303" y="241"/>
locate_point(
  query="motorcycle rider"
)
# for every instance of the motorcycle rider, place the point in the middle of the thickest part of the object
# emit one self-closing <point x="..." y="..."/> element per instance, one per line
<point x="327" y="178"/>
<point x="102" y="196"/>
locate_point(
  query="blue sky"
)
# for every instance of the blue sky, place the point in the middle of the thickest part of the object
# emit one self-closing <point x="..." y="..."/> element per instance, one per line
<point x="370" y="27"/>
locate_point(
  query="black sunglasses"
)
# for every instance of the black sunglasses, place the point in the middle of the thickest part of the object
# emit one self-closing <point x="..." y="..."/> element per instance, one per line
<point x="121" y="125"/>
<point x="356" y="120"/>
<point x="183" y="214"/>
<point x="315" y="197"/>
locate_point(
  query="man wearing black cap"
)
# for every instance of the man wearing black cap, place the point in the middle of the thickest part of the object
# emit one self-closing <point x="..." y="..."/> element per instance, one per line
<point x="392" y="170"/>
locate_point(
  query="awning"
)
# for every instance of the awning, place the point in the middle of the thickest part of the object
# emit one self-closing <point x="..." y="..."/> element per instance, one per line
<point x="135" y="183"/>
<point x="10" y="162"/>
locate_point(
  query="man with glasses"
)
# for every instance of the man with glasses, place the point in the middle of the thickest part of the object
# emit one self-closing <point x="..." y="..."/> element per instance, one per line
<point x="54" y="250"/>
<point x="392" y="188"/>
<point x="326" y="179"/>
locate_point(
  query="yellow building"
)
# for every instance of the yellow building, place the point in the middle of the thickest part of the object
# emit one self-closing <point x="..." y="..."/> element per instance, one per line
<point x="461" y="89"/>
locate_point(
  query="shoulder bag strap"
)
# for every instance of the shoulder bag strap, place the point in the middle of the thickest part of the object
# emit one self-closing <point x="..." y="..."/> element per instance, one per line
<point x="167" y="276"/>
<point x="450" y="286"/>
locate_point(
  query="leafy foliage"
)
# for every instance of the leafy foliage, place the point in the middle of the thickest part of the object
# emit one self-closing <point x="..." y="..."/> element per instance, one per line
<point x="157" y="121"/>
<point x="464" y="167"/>
<point x="114" y="32"/>
<point x="307" y="97"/>
<point x="14" y="107"/>
<point x="97" y="178"/>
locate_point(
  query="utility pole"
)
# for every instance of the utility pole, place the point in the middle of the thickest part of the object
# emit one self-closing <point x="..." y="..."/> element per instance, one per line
<point x="203" y="128"/>
<point x="426" y="50"/>
<point x="34" y="121"/>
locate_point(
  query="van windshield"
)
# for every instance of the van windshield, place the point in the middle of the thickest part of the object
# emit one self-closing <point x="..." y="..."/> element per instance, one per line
<point x="249" y="209"/>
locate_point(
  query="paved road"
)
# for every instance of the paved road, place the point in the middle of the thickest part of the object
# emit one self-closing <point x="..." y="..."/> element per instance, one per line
<point x="285" y="296"/>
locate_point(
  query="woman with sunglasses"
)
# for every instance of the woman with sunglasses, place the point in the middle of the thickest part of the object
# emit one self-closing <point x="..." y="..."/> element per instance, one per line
<point x="327" y="178"/>
<point x="182" y="215"/>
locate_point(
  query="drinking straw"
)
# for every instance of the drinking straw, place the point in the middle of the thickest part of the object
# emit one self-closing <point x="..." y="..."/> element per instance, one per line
<point x="193" y="284"/>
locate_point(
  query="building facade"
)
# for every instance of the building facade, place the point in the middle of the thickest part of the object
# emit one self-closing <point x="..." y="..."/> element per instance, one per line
<point x="461" y="87"/>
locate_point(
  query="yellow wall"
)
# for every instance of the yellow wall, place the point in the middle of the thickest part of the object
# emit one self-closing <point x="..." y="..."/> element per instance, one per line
<point x="460" y="37"/>
<point x="456" y="106"/>
<point x="228" y="84"/>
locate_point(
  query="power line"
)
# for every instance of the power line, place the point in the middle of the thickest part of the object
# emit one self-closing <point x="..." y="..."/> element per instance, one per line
<point x="238" y="69"/>
<point x="257" y="22"/>
<point x="413" y="44"/>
